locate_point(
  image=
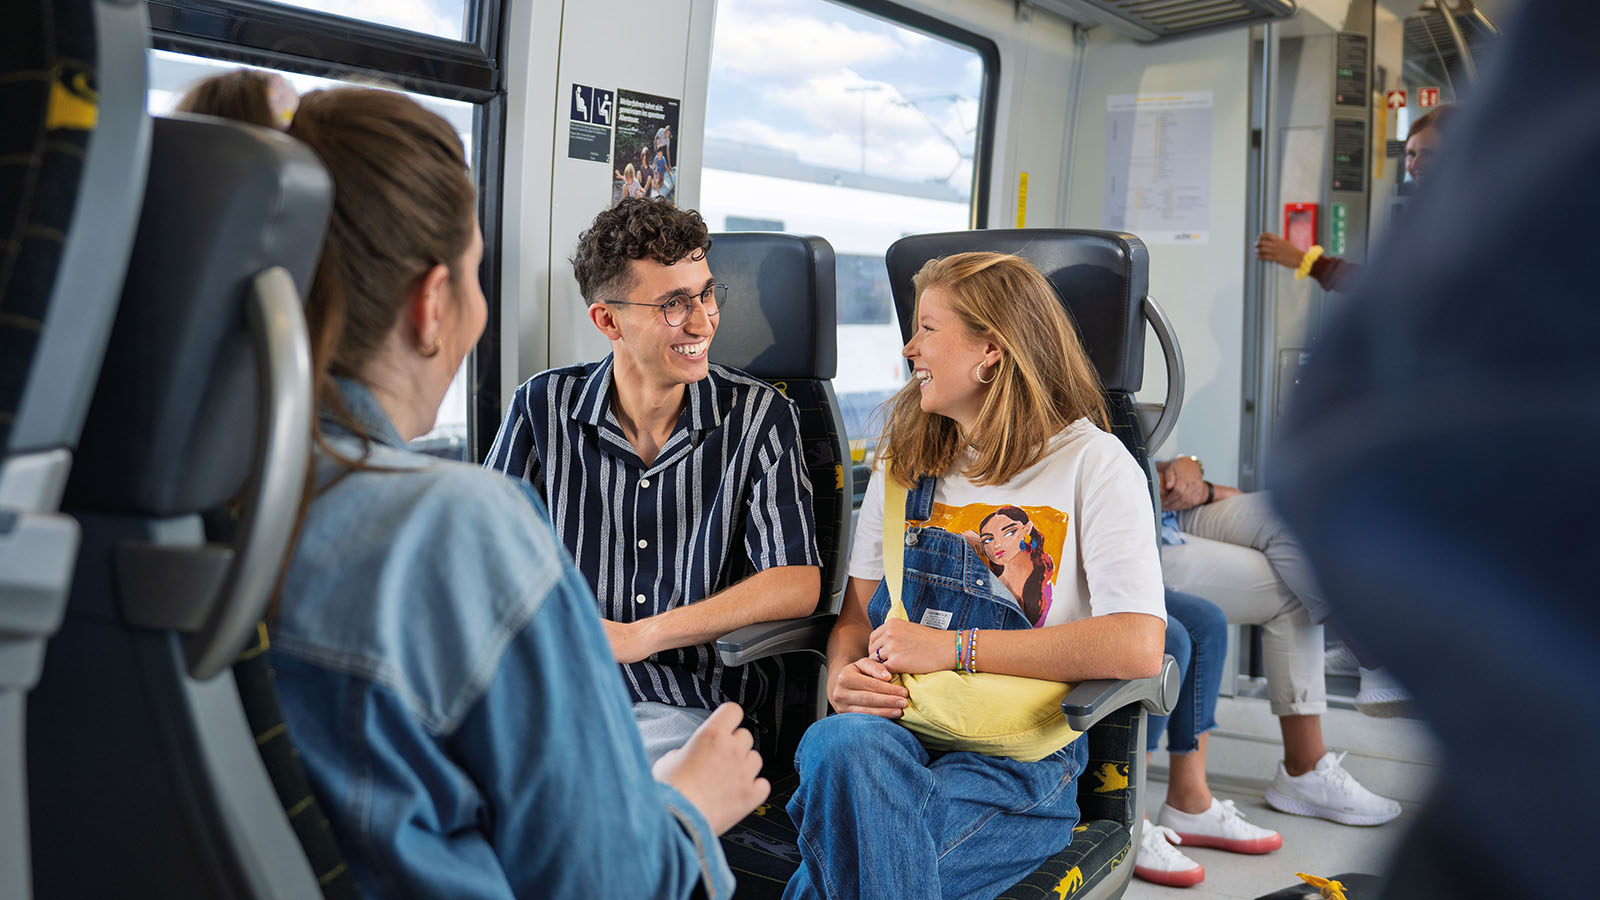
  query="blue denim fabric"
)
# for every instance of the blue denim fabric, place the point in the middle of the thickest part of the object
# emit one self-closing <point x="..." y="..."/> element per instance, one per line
<point x="1197" y="638"/>
<point x="879" y="816"/>
<point x="454" y="700"/>
<point x="1170" y="532"/>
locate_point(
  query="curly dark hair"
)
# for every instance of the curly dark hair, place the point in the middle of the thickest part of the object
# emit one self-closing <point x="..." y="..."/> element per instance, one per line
<point x="636" y="228"/>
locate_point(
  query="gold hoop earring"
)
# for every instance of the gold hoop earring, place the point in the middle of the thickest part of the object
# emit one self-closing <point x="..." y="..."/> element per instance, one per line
<point x="978" y="374"/>
<point x="430" y="352"/>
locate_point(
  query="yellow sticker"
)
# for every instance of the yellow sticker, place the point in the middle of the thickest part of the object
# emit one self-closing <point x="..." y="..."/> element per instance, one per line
<point x="74" y="106"/>
<point x="1022" y="200"/>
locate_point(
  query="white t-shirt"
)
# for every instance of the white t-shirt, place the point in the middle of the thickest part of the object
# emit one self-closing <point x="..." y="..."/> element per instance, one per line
<point x="1074" y="534"/>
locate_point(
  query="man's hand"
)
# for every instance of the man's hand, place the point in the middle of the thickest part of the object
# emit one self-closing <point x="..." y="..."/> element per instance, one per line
<point x="1272" y="248"/>
<point x="915" y="649"/>
<point x="630" y="641"/>
<point x="1183" y="484"/>
<point x="718" y="770"/>
<point x="864" y="687"/>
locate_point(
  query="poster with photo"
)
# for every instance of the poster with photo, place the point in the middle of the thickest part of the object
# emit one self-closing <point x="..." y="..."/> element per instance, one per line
<point x="645" y="154"/>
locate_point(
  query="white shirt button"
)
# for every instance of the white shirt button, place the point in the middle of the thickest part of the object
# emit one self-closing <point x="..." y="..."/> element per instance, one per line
<point x="643" y="543"/>
<point x="644" y="482"/>
<point x="639" y="599"/>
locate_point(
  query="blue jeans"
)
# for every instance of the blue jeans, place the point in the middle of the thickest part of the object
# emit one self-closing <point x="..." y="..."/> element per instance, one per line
<point x="1197" y="638"/>
<point x="879" y="816"/>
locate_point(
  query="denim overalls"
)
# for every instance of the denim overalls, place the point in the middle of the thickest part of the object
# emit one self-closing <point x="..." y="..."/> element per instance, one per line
<point x="878" y="815"/>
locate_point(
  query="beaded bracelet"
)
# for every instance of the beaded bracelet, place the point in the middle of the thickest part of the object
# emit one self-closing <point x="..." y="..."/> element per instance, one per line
<point x="961" y="666"/>
<point x="972" y="650"/>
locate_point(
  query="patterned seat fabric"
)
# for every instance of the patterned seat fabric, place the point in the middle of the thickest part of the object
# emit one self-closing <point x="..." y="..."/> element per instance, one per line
<point x="48" y="100"/>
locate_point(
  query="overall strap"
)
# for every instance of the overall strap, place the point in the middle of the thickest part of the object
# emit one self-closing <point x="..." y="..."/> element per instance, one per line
<point x="895" y="504"/>
<point x="919" y="503"/>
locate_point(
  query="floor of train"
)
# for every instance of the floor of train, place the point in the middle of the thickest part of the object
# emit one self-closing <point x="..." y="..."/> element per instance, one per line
<point x="1394" y="757"/>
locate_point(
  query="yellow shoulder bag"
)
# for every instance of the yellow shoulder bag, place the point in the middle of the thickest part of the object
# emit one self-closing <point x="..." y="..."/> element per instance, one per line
<point x="981" y="712"/>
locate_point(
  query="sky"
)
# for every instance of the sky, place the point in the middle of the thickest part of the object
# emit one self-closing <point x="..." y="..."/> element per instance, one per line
<point x="825" y="82"/>
<point x="444" y="18"/>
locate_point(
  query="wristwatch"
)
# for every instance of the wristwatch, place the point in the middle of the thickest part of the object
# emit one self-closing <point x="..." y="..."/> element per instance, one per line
<point x="1211" y="492"/>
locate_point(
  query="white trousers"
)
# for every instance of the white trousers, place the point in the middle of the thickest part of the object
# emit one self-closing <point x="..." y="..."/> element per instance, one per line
<point x="1241" y="557"/>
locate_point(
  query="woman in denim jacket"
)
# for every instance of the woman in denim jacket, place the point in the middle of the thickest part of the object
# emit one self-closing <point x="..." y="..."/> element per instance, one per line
<point x="1004" y="413"/>
<point x="439" y="661"/>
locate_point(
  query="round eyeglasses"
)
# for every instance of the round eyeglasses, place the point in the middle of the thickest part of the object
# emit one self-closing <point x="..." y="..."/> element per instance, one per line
<point x="677" y="308"/>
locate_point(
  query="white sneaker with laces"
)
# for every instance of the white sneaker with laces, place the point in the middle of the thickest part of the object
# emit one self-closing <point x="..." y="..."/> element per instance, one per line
<point x="1329" y="792"/>
<point x="1161" y="863"/>
<point x="1222" y="826"/>
<point x="1381" y="696"/>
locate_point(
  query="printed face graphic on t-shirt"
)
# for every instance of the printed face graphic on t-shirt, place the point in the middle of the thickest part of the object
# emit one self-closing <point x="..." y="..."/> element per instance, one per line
<point x="1019" y="544"/>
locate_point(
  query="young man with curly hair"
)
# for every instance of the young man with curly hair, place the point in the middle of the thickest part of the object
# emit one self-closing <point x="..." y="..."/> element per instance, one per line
<point x="678" y="486"/>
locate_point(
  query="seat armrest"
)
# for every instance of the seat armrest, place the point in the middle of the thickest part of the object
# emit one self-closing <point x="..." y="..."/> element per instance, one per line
<point x="1090" y="701"/>
<point x="764" y="639"/>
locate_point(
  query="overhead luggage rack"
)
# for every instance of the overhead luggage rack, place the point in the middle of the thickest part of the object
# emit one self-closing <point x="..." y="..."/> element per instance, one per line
<point x="1155" y="20"/>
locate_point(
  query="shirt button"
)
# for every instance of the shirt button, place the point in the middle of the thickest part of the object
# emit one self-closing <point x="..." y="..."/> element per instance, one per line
<point x="644" y="482"/>
<point x="643" y="543"/>
<point x="639" y="599"/>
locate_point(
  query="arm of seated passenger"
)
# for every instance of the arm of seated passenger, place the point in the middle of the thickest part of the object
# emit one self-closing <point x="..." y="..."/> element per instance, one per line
<point x="513" y="452"/>
<point x="553" y="744"/>
<point x="1183" y="485"/>
<point x="784" y="592"/>
<point x="780" y="539"/>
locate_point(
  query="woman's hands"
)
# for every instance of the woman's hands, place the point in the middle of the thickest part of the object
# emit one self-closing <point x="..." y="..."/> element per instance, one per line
<point x="911" y="648"/>
<point x="864" y="687"/>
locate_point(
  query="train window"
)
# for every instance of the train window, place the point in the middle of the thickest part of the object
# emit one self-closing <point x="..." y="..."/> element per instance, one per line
<point x="171" y="74"/>
<point x="823" y="119"/>
<point x="444" y="18"/>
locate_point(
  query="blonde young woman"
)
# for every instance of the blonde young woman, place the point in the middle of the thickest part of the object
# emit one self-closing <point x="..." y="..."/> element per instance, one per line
<point x="1004" y="411"/>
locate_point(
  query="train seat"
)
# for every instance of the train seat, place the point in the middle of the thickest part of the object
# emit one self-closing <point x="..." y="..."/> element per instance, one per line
<point x="74" y="142"/>
<point x="781" y="328"/>
<point x="1107" y="274"/>
<point x="1102" y="278"/>
<point x="144" y="772"/>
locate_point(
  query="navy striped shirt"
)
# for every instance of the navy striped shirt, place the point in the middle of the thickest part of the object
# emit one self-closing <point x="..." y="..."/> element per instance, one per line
<point x="727" y="496"/>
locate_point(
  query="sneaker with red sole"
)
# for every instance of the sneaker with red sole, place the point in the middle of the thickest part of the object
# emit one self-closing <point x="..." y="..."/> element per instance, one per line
<point x="1222" y="826"/>
<point x="1158" y="862"/>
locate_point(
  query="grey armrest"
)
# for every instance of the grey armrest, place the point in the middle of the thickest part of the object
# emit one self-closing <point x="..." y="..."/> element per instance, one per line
<point x="764" y="639"/>
<point x="1091" y="701"/>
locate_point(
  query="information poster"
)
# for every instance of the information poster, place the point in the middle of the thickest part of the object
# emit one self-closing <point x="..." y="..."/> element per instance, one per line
<point x="1158" y="166"/>
<point x="646" y="147"/>
<point x="1350" y="70"/>
<point x="589" y="124"/>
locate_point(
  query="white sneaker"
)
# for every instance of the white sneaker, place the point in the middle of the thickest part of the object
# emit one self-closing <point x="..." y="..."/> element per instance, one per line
<point x="1222" y="826"/>
<point x="1381" y="695"/>
<point x="1338" y="659"/>
<point x="1159" y="862"/>
<point x="1331" y="793"/>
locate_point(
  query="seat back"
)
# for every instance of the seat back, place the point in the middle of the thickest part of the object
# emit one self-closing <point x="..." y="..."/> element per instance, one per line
<point x="74" y="142"/>
<point x="187" y="486"/>
<point x="780" y="327"/>
<point x="1101" y="278"/>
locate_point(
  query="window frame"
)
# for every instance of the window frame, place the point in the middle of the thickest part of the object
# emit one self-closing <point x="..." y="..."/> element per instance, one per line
<point x="253" y="33"/>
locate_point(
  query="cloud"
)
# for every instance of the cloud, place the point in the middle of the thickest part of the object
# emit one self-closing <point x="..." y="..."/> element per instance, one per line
<point x="797" y="46"/>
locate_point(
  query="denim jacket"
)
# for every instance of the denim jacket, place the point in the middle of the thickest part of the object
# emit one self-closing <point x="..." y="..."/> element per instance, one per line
<point x="454" y="700"/>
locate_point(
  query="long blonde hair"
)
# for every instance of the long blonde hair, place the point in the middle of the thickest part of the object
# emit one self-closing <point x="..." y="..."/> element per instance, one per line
<point x="1042" y="383"/>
